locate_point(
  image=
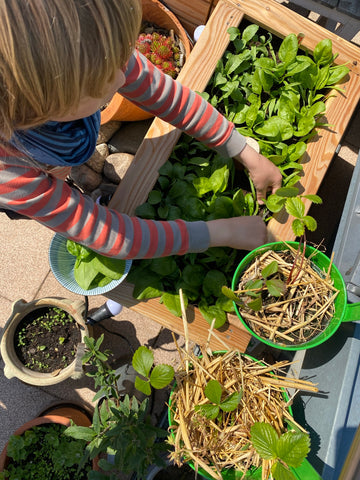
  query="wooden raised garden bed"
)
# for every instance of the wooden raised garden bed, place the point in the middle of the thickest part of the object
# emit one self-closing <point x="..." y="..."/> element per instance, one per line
<point x="162" y="137"/>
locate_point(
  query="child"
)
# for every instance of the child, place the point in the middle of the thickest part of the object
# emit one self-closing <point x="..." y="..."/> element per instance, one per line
<point x="60" y="61"/>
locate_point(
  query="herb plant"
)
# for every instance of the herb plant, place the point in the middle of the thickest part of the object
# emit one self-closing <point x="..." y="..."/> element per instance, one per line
<point x="274" y="92"/>
<point x="121" y="424"/>
<point x="43" y="453"/>
<point x="93" y="270"/>
<point x="287" y="450"/>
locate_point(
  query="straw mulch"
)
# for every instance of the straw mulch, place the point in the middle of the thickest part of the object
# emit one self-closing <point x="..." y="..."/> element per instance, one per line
<point x="303" y="311"/>
<point x="223" y="443"/>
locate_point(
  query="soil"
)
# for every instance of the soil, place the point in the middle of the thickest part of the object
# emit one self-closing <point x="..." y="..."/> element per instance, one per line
<point x="46" y="339"/>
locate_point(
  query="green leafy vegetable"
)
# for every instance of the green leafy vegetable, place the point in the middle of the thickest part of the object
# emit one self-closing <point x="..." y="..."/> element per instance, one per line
<point x="93" y="270"/>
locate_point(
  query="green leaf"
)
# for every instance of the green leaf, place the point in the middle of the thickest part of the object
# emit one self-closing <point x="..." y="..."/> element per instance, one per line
<point x="310" y="223"/>
<point x="209" y="312"/>
<point x="293" y="447"/>
<point x="313" y="198"/>
<point x="231" y="402"/>
<point x="109" y="267"/>
<point x="337" y="73"/>
<point x="239" y="203"/>
<point x="280" y="472"/>
<point x="255" y="305"/>
<point x="287" y="192"/>
<point x="143" y="386"/>
<point x="172" y="302"/>
<point x="275" y="287"/>
<point x="270" y="269"/>
<point x="154" y="197"/>
<point x="208" y="410"/>
<point x="288" y="49"/>
<point x="264" y="439"/>
<point x="161" y="376"/>
<point x="323" y="52"/>
<point x="193" y="275"/>
<point x="213" y="391"/>
<point x="145" y="211"/>
<point x="249" y="32"/>
<point x="305" y="125"/>
<point x="143" y="360"/>
<point x="80" y="433"/>
<point x="276" y="128"/>
<point x="229" y="293"/>
<point x="84" y="274"/>
<point x="213" y="281"/>
<point x="298" y="227"/>
<point x="295" y="207"/>
<point x="275" y="203"/>
<point x="163" y="266"/>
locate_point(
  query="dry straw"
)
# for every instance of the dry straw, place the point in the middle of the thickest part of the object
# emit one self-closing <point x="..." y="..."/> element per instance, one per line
<point x="223" y="443"/>
<point x="303" y="311"/>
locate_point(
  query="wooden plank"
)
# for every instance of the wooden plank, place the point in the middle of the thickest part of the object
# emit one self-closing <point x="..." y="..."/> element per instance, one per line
<point x="233" y="334"/>
<point x="191" y="13"/>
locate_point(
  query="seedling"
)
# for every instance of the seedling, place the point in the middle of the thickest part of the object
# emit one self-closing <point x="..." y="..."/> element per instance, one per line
<point x="157" y="377"/>
<point x="287" y="450"/>
<point x="255" y="288"/>
<point x="214" y="392"/>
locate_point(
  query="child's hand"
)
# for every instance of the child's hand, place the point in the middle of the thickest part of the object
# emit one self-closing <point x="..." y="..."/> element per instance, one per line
<point x="242" y="233"/>
<point x="265" y="175"/>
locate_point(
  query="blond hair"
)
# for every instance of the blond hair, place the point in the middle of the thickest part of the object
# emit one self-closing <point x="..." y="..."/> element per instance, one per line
<point x="53" y="52"/>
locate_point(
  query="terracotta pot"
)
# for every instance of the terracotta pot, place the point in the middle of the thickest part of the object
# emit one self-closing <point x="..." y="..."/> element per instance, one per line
<point x="70" y="412"/>
<point x="120" y="108"/>
<point x="15" y="368"/>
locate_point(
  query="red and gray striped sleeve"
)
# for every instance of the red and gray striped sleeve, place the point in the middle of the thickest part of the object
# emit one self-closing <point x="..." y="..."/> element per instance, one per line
<point x="152" y="90"/>
<point x="50" y="201"/>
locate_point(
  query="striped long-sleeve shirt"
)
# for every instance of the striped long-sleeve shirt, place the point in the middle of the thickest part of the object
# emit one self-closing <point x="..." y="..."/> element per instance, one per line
<point x="34" y="192"/>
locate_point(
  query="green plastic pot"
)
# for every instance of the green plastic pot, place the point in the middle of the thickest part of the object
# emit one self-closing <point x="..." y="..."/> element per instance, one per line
<point x="344" y="312"/>
<point x="304" y="472"/>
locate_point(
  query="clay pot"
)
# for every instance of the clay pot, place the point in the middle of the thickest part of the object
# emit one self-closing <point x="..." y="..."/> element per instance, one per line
<point x="15" y="368"/>
<point x="61" y="414"/>
<point x="120" y="108"/>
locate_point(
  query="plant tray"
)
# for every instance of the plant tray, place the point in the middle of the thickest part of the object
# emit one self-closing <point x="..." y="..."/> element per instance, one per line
<point x="162" y="137"/>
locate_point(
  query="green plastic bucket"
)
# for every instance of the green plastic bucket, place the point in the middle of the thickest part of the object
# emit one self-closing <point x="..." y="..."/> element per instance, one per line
<point x="304" y="472"/>
<point x="344" y="312"/>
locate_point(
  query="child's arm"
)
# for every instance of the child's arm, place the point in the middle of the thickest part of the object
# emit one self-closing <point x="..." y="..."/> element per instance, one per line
<point x="50" y="201"/>
<point x="166" y="98"/>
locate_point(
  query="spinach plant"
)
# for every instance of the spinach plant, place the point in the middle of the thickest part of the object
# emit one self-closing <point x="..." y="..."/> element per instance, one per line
<point x="284" y="451"/>
<point x="93" y="270"/>
<point x="276" y="97"/>
<point x="121" y="424"/>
